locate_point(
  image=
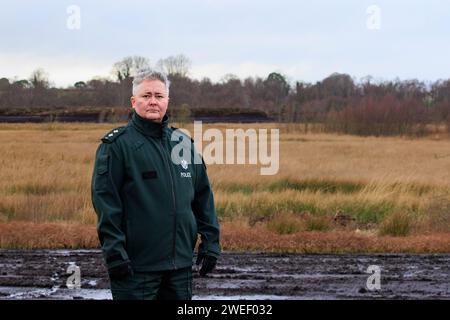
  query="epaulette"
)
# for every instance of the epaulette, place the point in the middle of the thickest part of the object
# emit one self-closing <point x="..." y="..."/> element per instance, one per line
<point x="111" y="136"/>
<point x="181" y="132"/>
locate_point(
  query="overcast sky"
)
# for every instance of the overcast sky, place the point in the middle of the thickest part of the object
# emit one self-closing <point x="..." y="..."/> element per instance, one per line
<point x="305" y="40"/>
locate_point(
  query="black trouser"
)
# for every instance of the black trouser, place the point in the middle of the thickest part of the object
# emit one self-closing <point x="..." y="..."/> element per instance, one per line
<point x="160" y="285"/>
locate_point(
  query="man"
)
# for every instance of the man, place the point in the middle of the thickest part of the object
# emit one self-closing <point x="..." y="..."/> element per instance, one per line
<point x="150" y="207"/>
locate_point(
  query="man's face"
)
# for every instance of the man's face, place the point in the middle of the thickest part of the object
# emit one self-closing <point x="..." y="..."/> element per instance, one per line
<point x="151" y="100"/>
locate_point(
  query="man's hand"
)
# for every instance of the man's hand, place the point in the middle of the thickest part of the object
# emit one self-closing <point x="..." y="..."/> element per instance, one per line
<point x="120" y="271"/>
<point x="208" y="263"/>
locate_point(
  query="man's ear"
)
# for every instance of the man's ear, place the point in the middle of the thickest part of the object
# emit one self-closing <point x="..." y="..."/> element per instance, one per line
<point x="132" y="100"/>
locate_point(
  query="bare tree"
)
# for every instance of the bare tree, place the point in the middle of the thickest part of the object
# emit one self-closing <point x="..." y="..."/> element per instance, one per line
<point x="229" y="77"/>
<point x="178" y="65"/>
<point x="39" y="78"/>
<point x="40" y="84"/>
<point x="277" y="90"/>
<point x="124" y="69"/>
<point x="338" y="84"/>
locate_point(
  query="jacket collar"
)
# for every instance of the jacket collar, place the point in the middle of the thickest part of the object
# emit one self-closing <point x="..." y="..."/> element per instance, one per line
<point x="149" y="128"/>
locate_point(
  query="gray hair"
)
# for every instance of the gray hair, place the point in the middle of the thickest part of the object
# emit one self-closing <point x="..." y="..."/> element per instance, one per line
<point x="150" y="74"/>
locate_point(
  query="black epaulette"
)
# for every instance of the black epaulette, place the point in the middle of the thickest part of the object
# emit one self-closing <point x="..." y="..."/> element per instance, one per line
<point x="181" y="131"/>
<point x="111" y="136"/>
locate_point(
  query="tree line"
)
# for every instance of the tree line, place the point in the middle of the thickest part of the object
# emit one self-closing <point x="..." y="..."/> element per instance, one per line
<point x="339" y="103"/>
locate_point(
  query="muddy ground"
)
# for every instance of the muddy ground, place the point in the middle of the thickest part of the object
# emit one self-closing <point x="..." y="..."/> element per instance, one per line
<point x="42" y="274"/>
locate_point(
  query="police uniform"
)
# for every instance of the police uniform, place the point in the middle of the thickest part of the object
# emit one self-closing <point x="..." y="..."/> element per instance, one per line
<point x="150" y="210"/>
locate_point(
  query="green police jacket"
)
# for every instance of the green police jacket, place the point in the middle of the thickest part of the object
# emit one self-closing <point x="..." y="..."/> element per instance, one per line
<point x="151" y="209"/>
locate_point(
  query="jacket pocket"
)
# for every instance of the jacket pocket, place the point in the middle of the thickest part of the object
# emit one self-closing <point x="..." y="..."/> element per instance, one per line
<point x="101" y="179"/>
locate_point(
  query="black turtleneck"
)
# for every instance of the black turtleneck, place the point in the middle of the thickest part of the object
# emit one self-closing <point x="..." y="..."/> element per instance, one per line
<point x="148" y="127"/>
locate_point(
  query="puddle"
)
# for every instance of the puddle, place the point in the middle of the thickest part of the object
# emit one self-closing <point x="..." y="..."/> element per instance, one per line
<point x="42" y="274"/>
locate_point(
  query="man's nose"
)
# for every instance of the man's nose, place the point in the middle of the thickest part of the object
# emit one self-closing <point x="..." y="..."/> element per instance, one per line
<point x="152" y="100"/>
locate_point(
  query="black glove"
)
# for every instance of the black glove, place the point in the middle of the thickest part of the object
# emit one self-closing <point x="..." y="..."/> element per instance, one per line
<point x="120" y="271"/>
<point x="208" y="263"/>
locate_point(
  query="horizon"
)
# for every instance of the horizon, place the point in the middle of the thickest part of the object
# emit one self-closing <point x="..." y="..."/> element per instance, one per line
<point x="291" y="82"/>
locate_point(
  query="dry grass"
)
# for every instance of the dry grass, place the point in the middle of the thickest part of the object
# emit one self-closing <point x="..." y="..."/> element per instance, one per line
<point x="241" y="237"/>
<point x="29" y="235"/>
<point x="46" y="170"/>
<point x="236" y="235"/>
<point x="397" y="224"/>
<point x="285" y="223"/>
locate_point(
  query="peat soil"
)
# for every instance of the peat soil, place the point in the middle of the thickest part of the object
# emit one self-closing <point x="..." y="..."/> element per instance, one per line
<point x="48" y="274"/>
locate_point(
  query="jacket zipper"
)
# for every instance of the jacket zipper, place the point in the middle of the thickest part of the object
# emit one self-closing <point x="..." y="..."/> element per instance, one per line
<point x="174" y="204"/>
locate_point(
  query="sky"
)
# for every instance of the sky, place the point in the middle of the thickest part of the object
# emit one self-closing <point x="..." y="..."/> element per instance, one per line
<point x="304" y="40"/>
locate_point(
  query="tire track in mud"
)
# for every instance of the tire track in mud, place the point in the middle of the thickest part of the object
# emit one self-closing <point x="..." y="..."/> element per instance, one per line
<point x="42" y="274"/>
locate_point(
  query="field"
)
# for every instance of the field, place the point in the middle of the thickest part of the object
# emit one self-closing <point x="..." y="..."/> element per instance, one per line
<point x="332" y="194"/>
<point x="42" y="274"/>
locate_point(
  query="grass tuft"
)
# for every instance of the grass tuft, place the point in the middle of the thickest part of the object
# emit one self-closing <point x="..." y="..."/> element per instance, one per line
<point x="317" y="223"/>
<point x="399" y="224"/>
<point x="285" y="223"/>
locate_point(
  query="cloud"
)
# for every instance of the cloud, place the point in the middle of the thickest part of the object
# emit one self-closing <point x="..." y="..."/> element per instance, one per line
<point x="63" y="70"/>
<point x="306" y="41"/>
